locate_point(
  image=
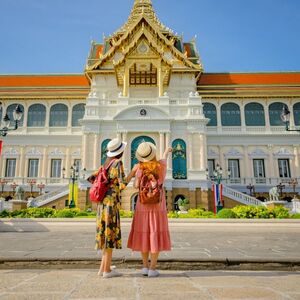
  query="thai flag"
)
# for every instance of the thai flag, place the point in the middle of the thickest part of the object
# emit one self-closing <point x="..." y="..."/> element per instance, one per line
<point x="217" y="190"/>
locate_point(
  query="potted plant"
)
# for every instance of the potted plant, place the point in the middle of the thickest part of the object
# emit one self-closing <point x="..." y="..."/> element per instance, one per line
<point x="183" y="204"/>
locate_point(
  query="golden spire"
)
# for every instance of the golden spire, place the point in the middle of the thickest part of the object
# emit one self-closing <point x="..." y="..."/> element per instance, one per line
<point x="143" y="7"/>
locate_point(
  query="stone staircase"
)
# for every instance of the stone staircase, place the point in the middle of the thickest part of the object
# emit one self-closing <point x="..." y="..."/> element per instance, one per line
<point x="240" y="197"/>
<point x="49" y="197"/>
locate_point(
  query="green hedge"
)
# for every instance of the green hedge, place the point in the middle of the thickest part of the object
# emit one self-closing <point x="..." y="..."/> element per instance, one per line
<point x="239" y="212"/>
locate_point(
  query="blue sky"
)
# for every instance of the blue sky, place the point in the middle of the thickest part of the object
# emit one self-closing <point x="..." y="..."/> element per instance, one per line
<point x="53" y="36"/>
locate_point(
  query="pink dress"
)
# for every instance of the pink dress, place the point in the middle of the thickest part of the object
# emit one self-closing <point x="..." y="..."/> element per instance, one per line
<point x="150" y="229"/>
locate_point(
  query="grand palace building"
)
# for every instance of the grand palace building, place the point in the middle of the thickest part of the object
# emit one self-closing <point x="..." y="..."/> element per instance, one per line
<point x="145" y="83"/>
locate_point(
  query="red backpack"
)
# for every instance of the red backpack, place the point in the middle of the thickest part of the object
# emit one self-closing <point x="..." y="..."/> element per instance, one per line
<point x="150" y="190"/>
<point x="100" y="186"/>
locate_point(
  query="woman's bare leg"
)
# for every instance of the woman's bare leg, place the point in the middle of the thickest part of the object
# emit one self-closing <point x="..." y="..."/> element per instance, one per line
<point x="145" y="256"/>
<point x="107" y="260"/>
<point x="154" y="258"/>
<point x="102" y="263"/>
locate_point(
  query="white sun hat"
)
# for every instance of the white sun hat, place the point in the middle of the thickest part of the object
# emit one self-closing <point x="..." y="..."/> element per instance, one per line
<point x="145" y="152"/>
<point x="115" y="147"/>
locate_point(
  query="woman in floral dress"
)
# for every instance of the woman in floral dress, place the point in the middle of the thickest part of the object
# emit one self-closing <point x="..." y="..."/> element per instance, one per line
<point x="108" y="229"/>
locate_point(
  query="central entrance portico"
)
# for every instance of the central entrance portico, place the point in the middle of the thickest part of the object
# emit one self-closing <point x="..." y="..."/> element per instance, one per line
<point x="143" y="88"/>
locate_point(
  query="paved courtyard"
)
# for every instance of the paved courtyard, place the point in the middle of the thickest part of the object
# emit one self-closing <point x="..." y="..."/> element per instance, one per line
<point x="194" y="240"/>
<point x="206" y="285"/>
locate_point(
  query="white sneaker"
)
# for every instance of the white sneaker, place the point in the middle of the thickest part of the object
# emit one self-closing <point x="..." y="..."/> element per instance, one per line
<point x="100" y="273"/>
<point x="111" y="274"/>
<point x="145" y="271"/>
<point x="153" y="273"/>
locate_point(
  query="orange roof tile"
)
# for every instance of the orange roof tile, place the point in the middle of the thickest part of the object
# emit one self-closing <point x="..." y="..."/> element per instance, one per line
<point x="43" y="80"/>
<point x="249" y="78"/>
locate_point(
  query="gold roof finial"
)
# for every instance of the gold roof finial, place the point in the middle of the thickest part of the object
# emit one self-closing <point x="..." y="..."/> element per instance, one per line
<point x="142" y="7"/>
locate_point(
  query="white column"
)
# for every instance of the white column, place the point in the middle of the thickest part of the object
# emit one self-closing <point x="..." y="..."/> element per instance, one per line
<point x="69" y="116"/>
<point x="190" y="152"/>
<point x="84" y="151"/>
<point x="292" y="119"/>
<point x="272" y="163"/>
<point x="243" y="122"/>
<point x="219" y="118"/>
<point x="203" y="152"/>
<point x="47" y="116"/>
<point x="296" y="162"/>
<point x="68" y="161"/>
<point x="44" y="163"/>
<point x="22" y="170"/>
<point x="169" y="162"/>
<point x="97" y="162"/>
<point x="267" y="117"/>
<point x="161" y="144"/>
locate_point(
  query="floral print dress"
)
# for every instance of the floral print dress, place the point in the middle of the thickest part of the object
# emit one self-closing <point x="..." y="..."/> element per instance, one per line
<point x="108" y="229"/>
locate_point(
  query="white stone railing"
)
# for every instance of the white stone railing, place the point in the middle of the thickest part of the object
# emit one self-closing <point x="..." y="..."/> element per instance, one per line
<point x="49" y="197"/>
<point x="240" y="197"/>
<point x="296" y="207"/>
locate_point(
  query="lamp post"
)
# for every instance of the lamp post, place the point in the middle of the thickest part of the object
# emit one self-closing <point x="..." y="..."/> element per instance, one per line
<point x="73" y="178"/>
<point x="280" y="187"/>
<point x="285" y="117"/>
<point x="217" y="186"/>
<point x="293" y="183"/>
<point x="14" y="186"/>
<point x="41" y="186"/>
<point x="17" y="114"/>
<point x="251" y="188"/>
<point x="31" y="182"/>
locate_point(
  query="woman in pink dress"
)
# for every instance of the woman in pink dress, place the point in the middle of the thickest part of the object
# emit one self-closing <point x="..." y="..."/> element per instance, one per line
<point x="150" y="230"/>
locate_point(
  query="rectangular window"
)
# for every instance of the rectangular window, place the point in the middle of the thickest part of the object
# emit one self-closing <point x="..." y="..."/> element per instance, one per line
<point x="10" y="170"/>
<point x="211" y="167"/>
<point x="259" y="170"/>
<point x="33" y="168"/>
<point x="284" y="168"/>
<point x="234" y="167"/>
<point x="56" y="168"/>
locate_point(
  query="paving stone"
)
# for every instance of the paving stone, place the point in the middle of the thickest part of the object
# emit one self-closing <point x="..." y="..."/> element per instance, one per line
<point x="32" y="296"/>
<point x="245" y="293"/>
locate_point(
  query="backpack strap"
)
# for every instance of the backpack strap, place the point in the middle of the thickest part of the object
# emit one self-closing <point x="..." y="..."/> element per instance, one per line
<point x="110" y="164"/>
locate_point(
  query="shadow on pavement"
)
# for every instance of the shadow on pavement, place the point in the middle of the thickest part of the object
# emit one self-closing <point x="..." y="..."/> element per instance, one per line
<point x="15" y="225"/>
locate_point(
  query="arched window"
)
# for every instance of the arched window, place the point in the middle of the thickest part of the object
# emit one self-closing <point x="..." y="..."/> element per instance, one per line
<point x="179" y="159"/>
<point x="255" y="114"/>
<point x="175" y="204"/>
<point x="275" y="110"/>
<point x="59" y="115"/>
<point x="296" y="109"/>
<point x="77" y="114"/>
<point x="230" y="114"/>
<point x="36" y="115"/>
<point x="10" y="112"/>
<point x="104" y="151"/>
<point x="210" y="112"/>
<point x="134" y="145"/>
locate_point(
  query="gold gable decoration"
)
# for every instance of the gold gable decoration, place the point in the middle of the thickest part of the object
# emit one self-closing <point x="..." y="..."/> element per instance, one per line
<point x="143" y="7"/>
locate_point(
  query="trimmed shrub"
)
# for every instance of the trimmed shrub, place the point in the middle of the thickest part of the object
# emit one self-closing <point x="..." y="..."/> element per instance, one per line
<point x="5" y="214"/>
<point x="226" y="213"/>
<point x="67" y="213"/>
<point x="126" y="214"/>
<point x="281" y="212"/>
<point x="295" y="216"/>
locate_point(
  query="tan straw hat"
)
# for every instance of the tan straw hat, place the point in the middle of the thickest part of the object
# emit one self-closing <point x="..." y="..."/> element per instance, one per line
<point x="145" y="152"/>
<point x="115" y="147"/>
